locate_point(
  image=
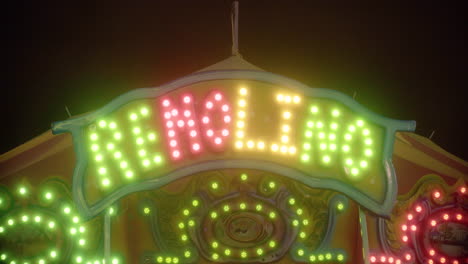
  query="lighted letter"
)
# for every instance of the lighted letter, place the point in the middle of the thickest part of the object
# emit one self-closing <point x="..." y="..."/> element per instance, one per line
<point x="181" y="122"/>
<point x="357" y="142"/>
<point x="284" y="145"/>
<point x="216" y="119"/>
<point x="108" y="146"/>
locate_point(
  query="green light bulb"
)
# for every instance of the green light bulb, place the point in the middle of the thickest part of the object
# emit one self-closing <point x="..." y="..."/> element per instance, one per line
<point x="22" y="191"/>
<point x="272" y="184"/>
<point x="152" y="136"/>
<point x="144" y="111"/>
<point x="340" y="206"/>
<point x="243" y="177"/>
<point x="259" y="251"/>
<point x="305" y="157"/>
<point x="214" y="215"/>
<point x="272" y="244"/>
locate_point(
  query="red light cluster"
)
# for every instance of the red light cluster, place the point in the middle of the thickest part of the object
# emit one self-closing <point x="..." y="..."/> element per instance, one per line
<point x="216" y="105"/>
<point x="428" y="220"/>
<point x="385" y="259"/>
<point x="181" y="121"/>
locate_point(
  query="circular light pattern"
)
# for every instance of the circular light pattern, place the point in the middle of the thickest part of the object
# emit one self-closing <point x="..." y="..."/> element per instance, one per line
<point x="226" y="228"/>
<point x="56" y="223"/>
<point x="428" y="225"/>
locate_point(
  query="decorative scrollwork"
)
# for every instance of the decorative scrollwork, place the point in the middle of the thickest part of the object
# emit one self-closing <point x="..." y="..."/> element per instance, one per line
<point x="250" y="217"/>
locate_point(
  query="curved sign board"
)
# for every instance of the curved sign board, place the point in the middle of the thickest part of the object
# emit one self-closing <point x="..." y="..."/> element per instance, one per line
<point x="233" y="119"/>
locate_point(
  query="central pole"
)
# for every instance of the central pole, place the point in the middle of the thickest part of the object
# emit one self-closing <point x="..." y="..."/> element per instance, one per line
<point x="235" y="27"/>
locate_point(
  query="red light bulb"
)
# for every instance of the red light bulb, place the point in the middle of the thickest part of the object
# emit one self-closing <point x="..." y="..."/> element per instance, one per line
<point x="410" y="217"/>
<point x="463" y="189"/>
<point x="418" y="209"/>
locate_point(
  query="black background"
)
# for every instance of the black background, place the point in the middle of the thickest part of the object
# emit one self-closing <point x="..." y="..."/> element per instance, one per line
<point x="404" y="61"/>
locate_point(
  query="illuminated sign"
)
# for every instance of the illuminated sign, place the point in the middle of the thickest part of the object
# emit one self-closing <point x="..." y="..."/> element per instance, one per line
<point x="233" y="119"/>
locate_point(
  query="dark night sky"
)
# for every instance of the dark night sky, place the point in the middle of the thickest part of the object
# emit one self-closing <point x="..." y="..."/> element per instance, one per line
<point x="404" y="61"/>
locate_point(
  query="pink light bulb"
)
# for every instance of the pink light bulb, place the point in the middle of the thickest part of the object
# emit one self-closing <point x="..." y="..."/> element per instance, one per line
<point x="166" y="103"/>
<point x="171" y="133"/>
<point x="225" y="108"/>
<point x="205" y="120"/>
<point x="410" y="217"/>
<point x="218" y="97"/>
<point x="187" y="99"/>
<point x="227" y="119"/>
<point x="218" y="141"/>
